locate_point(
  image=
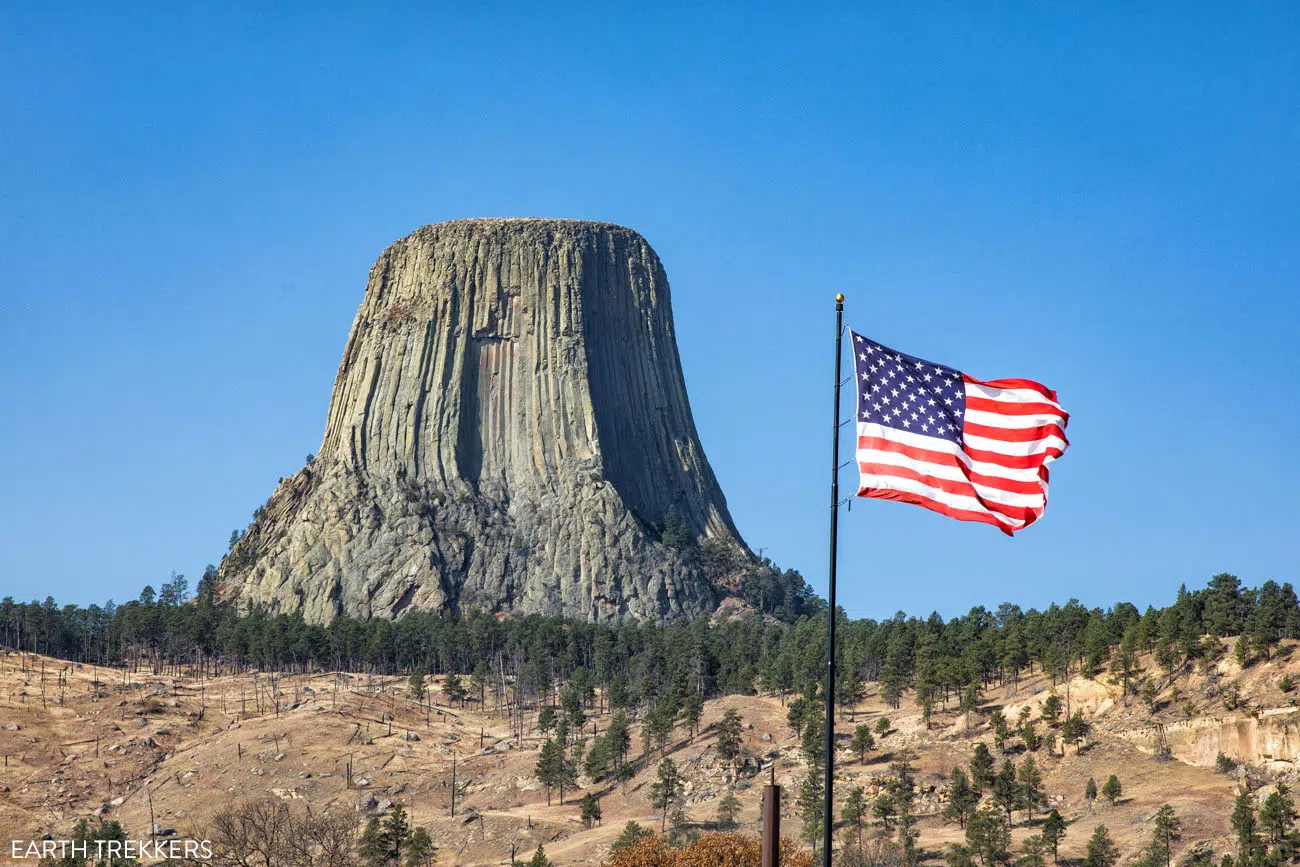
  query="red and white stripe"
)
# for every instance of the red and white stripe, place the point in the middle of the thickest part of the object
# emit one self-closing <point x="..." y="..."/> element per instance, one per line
<point x="1012" y="429"/>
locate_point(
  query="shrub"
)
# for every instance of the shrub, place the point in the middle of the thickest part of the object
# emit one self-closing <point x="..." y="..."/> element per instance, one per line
<point x="632" y="834"/>
<point x="710" y="850"/>
<point x="1224" y="765"/>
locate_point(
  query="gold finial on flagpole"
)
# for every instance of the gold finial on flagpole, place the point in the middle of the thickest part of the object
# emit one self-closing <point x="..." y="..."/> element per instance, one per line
<point x="839" y="297"/>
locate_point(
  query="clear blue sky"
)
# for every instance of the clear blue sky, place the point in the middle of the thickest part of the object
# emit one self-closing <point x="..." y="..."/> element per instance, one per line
<point x="1101" y="197"/>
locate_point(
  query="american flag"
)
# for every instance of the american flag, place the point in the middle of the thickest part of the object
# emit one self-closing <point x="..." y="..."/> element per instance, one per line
<point x="933" y="436"/>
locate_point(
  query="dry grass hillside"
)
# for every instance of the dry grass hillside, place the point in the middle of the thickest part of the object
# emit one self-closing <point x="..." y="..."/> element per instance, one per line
<point x="172" y="750"/>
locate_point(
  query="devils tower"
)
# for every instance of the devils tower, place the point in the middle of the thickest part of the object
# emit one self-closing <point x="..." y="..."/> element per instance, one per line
<point x="509" y="431"/>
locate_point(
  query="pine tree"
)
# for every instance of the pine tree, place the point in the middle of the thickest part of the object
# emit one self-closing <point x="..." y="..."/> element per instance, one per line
<point x="981" y="767"/>
<point x="1244" y="652"/>
<point x="681" y="828"/>
<point x="1090" y="792"/>
<point x="539" y="858"/>
<point x="1277" y="817"/>
<point x="549" y="766"/>
<point x="794" y="714"/>
<point x="729" y="744"/>
<point x="590" y="810"/>
<point x="1054" y="832"/>
<point x="960" y="856"/>
<point x="1225" y="609"/>
<point x="620" y="696"/>
<point x="562" y="732"/>
<point x="1112" y="790"/>
<point x="568" y="771"/>
<point x="970" y="701"/>
<point x="854" y="810"/>
<point x="692" y="710"/>
<point x="420" y="850"/>
<point x="1125" y="664"/>
<point x="655" y="727"/>
<point x="1033" y="852"/>
<point x="1015" y="654"/>
<point x="814" y="738"/>
<point x="998" y="723"/>
<point x="546" y="720"/>
<point x="1167" y="657"/>
<point x="571" y="703"/>
<point x="1051" y="713"/>
<point x="850" y="691"/>
<point x="624" y="773"/>
<point x="893" y="677"/>
<point x="1150" y="694"/>
<point x="728" y="811"/>
<point x="676" y="533"/>
<point x="810" y="805"/>
<point x="665" y="791"/>
<point x="396" y="833"/>
<point x="988" y="836"/>
<point x="885" y="810"/>
<point x="597" y="761"/>
<point x="371" y="845"/>
<point x="1268" y="620"/>
<point x="1249" y="848"/>
<point x="962" y="798"/>
<point x="454" y="689"/>
<point x="1166" y="834"/>
<point x="903" y="789"/>
<point x="1033" y="740"/>
<point x="1006" y="791"/>
<point x="415" y="685"/>
<point x="619" y="738"/>
<point x="1032" y="796"/>
<point x="1102" y="851"/>
<point x="1075" y="730"/>
<point x="862" y="742"/>
<point x="479" y="679"/>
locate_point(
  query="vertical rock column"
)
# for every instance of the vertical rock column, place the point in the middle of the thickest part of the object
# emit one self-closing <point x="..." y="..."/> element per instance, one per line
<point x="509" y="428"/>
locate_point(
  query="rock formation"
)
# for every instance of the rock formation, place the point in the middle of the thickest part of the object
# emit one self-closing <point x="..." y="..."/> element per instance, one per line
<point x="1270" y="737"/>
<point x="508" y="431"/>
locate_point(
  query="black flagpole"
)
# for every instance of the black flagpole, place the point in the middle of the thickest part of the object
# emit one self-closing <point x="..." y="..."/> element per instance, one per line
<point x="829" y="793"/>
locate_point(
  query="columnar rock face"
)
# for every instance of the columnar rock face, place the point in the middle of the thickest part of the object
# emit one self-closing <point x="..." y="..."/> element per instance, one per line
<point x="508" y="431"/>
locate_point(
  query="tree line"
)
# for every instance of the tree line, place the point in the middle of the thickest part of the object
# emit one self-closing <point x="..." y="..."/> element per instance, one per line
<point x="940" y="661"/>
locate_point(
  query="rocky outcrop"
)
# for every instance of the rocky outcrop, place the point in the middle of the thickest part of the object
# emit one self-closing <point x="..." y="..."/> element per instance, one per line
<point x="508" y="431"/>
<point x="1269" y="737"/>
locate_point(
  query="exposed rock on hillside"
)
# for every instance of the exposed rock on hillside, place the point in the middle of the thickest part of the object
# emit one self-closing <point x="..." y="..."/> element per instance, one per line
<point x="1270" y="738"/>
<point x="509" y="429"/>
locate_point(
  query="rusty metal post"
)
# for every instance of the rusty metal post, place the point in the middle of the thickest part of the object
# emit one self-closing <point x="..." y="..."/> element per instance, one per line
<point x="771" y="822"/>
